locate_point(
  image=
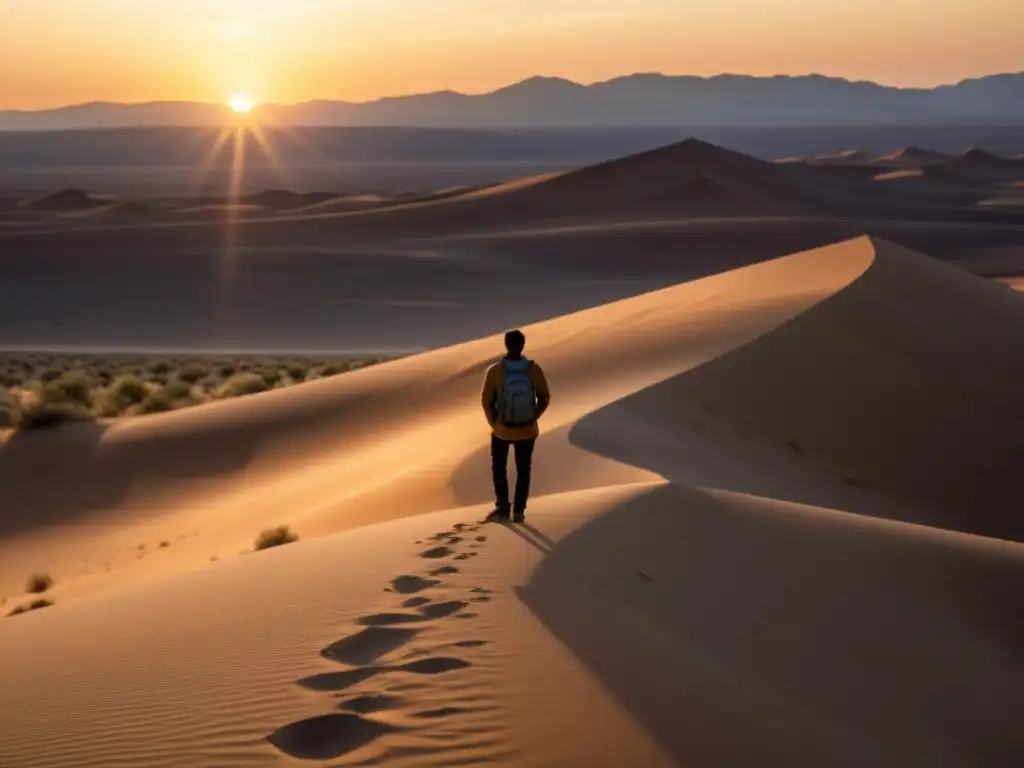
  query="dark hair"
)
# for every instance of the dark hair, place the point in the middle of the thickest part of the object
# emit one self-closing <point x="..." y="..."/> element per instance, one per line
<point x="514" y="342"/>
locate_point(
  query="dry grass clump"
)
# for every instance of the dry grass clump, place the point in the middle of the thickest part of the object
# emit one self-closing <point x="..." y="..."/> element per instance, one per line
<point x="38" y="582"/>
<point x="275" y="537"/>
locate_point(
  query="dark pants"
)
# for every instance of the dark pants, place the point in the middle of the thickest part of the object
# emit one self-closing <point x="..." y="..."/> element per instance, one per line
<point x="499" y="468"/>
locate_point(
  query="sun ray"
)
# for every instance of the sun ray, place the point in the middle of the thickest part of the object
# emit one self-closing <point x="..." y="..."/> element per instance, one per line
<point x="262" y="138"/>
<point x="212" y="154"/>
<point x="232" y="220"/>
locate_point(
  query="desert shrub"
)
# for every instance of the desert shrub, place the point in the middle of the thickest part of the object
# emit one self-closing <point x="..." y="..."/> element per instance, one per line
<point x="33" y="606"/>
<point x="271" y="374"/>
<point x="129" y="389"/>
<point x="8" y="409"/>
<point x="191" y="373"/>
<point x="178" y="390"/>
<point x="51" y="374"/>
<point x="226" y="371"/>
<point x="297" y="371"/>
<point x="160" y="368"/>
<point x="275" y="537"/>
<point x="43" y="413"/>
<point x="156" y="402"/>
<point x="73" y="387"/>
<point x="38" y="582"/>
<point x="242" y="384"/>
<point x="12" y="377"/>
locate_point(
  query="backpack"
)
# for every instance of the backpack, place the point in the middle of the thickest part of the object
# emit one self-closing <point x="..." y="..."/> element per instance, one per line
<point x="517" y="400"/>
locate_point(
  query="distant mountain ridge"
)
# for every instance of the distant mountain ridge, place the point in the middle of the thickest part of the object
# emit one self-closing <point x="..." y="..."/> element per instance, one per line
<point x="644" y="99"/>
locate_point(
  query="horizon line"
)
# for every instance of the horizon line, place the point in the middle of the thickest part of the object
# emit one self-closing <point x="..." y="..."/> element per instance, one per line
<point x="531" y="78"/>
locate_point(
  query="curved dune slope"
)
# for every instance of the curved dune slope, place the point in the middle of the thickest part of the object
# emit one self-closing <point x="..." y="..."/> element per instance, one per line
<point x="753" y="540"/>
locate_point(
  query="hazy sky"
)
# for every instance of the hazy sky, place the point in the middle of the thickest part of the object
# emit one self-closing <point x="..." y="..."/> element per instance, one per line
<point x="55" y="52"/>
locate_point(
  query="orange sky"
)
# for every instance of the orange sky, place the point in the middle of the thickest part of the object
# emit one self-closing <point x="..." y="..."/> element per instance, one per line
<point x="55" y="52"/>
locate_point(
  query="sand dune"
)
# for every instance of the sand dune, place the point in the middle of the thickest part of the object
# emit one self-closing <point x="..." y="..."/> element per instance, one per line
<point x="911" y="157"/>
<point x="128" y="211"/>
<point x="63" y="200"/>
<point x="774" y="523"/>
<point x="340" y="203"/>
<point x="284" y="199"/>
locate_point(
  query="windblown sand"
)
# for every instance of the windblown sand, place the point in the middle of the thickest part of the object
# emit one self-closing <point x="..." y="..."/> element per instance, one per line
<point x="776" y="521"/>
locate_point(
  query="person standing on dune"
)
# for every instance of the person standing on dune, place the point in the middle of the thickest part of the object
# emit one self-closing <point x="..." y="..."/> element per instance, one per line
<point x="515" y="395"/>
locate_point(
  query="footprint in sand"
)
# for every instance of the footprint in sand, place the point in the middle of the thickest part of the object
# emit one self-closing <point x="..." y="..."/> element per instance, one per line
<point x="339" y="681"/>
<point x="466" y="555"/>
<point x="371" y="703"/>
<point x="367" y="646"/>
<point x="470" y="643"/>
<point x="407" y="585"/>
<point x="435" y="714"/>
<point x="388" y="619"/>
<point x="441" y="610"/>
<point x="436" y="552"/>
<point x="327" y="737"/>
<point x="444" y="570"/>
<point x="434" y="666"/>
<point x="415" y="602"/>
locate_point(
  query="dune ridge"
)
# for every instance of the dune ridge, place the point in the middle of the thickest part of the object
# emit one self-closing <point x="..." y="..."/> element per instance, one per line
<point x="780" y="527"/>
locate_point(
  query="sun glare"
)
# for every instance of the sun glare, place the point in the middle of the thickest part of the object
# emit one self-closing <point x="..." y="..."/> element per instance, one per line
<point x="240" y="103"/>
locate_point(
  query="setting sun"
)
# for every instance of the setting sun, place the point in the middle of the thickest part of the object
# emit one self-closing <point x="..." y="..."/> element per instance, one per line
<point x="240" y="103"/>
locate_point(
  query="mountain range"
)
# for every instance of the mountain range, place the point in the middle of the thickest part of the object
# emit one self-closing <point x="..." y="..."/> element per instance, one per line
<point x="632" y="100"/>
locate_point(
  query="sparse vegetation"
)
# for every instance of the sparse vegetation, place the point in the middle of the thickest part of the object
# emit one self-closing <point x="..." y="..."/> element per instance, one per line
<point x="72" y="387"/>
<point x="275" y="537"/>
<point x="38" y="582"/>
<point x="242" y="384"/>
<point x="42" y="413"/>
<point x="45" y="390"/>
<point x="33" y="606"/>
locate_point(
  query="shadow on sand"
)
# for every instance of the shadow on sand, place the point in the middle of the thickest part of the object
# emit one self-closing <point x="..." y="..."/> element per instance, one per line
<point x="866" y="402"/>
<point x="742" y="631"/>
<point x="61" y="474"/>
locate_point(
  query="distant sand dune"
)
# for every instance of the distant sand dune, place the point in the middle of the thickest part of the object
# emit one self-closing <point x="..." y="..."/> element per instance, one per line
<point x="122" y="211"/>
<point x="63" y="200"/>
<point x="911" y="157"/>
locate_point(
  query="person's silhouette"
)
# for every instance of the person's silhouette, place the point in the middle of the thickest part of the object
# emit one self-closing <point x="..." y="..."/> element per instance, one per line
<point x="515" y="395"/>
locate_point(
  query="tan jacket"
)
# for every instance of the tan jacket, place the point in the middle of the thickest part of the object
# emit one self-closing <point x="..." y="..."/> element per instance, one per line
<point x="489" y="398"/>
